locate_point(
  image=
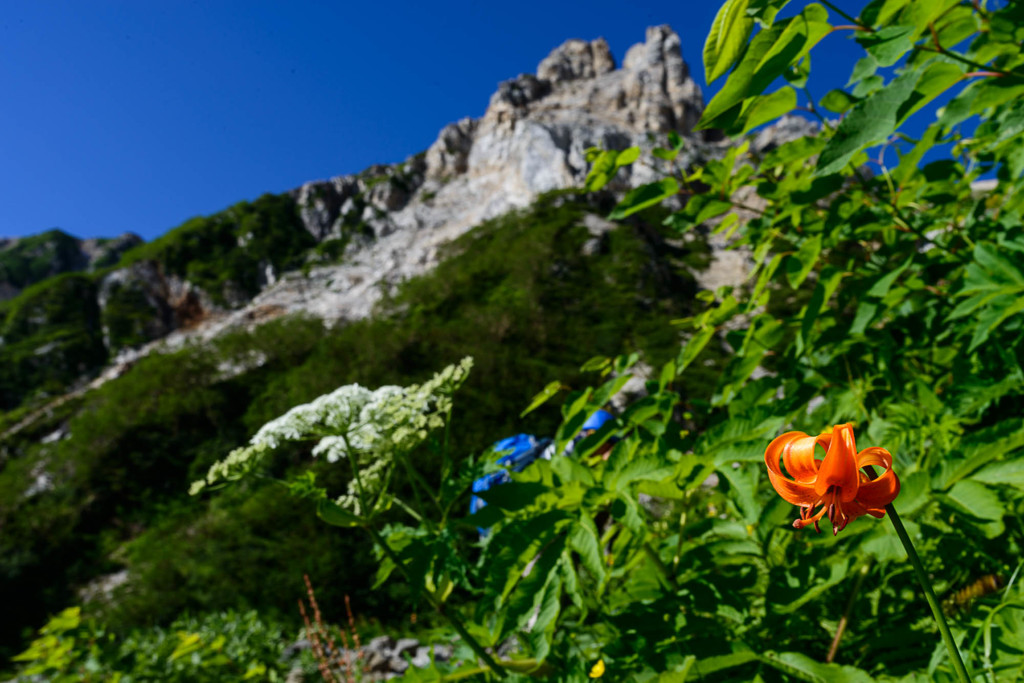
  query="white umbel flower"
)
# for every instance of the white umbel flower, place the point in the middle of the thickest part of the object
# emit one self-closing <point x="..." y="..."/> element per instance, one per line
<point x="352" y="422"/>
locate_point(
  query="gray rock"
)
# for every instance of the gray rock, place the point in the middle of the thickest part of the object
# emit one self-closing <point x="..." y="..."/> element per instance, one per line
<point x="576" y="59"/>
<point x="295" y="648"/>
<point x="447" y="156"/>
<point x="405" y="645"/>
<point x="376" y="661"/>
<point x="380" y="644"/>
<point x="786" y="129"/>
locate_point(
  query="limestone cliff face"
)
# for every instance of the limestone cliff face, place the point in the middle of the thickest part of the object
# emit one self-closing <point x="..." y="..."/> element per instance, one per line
<point x="533" y="138"/>
<point x="389" y="222"/>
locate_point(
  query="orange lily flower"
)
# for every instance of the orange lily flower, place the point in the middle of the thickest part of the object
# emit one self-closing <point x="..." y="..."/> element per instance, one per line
<point x="837" y="482"/>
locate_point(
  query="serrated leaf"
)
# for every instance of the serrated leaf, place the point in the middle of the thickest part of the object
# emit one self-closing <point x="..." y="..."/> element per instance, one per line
<point x="870" y="121"/>
<point x="727" y="39"/>
<point x="975" y="500"/>
<point x="584" y="542"/>
<point x="887" y="44"/>
<point x="802" y="667"/>
<point x="1006" y="473"/>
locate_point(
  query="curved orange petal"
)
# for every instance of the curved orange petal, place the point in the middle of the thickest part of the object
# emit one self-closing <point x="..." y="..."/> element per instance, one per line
<point x="839" y="468"/>
<point x="798" y="457"/>
<point x="776" y="448"/>
<point x="874" y="456"/>
<point x="824" y="439"/>
<point x="793" y="491"/>
<point x="879" y="492"/>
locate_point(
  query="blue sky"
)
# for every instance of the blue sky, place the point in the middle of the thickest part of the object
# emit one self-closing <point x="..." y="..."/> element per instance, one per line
<point x="134" y="116"/>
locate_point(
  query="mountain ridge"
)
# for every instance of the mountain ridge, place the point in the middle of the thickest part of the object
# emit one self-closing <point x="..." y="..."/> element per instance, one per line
<point x="332" y="248"/>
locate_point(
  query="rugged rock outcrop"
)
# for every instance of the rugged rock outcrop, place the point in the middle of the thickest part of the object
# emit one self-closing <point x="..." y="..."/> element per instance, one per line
<point x="388" y="223"/>
<point x="532" y="139"/>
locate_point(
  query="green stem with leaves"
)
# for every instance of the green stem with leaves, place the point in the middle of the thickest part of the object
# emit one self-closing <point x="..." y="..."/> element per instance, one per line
<point x="438" y="606"/>
<point x="929" y="594"/>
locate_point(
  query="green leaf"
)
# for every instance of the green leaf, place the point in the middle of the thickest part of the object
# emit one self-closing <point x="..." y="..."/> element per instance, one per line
<point x="727" y="39"/>
<point x="975" y="500"/>
<point x="640" y="198"/>
<point x="693" y="347"/>
<point x="332" y="513"/>
<point x="884" y="283"/>
<point x="838" y="101"/>
<point x="1006" y="473"/>
<point x="601" y="171"/>
<point x="769" y="55"/>
<point x="767" y="273"/>
<point x="823" y="291"/>
<point x="798" y="265"/>
<point x="803" y="668"/>
<point x="546" y="393"/>
<point x="798" y="74"/>
<point x="627" y="157"/>
<point x="187" y="644"/>
<point x="887" y="44"/>
<point x="876" y="117"/>
<point x="584" y="542"/>
<point x="871" y="121"/>
<point x="712" y="665"/>
<point x="910" y="161"/>
<point x="595" y="364"/>
<point x="765" y="108"/>
<point x="882" y="13"/>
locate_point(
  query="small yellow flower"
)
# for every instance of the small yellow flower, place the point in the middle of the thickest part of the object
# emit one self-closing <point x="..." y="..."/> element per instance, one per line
<point x="598" y="669"/>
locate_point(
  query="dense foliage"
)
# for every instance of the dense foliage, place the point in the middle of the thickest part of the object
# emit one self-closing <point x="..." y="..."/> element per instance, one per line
<point x="227" y="254"/>
<point x="885" y="293"/>
<point x="121" y="475"/>
<point x="51" y="336"/>
<point x="35" y="258"/>
<point x="62" y="329"/>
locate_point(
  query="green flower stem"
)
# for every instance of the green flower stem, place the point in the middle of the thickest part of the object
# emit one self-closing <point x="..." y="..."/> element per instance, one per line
<point x="452" y="619"/>
<point x="418" y="481"/>
<point x="850" y="604"/>
<point x="929" y="594"/>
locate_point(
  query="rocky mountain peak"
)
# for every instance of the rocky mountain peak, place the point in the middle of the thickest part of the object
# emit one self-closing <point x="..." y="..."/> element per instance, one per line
<point x="370" y="231"/>
<point x="392" y="220"/>
<point x="651" y="92"/>
<point x="576" y="59"/>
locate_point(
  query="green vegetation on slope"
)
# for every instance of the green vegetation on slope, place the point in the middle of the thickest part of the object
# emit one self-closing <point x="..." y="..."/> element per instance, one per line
<point x="520" y="294"/>
<point x="227" y="253"/>
<point x="35" y="258"/>
<point x="51" y="336"/>
<point x="53" y="332"/>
